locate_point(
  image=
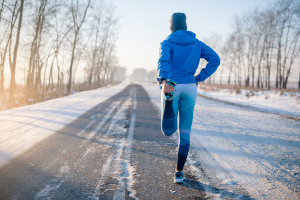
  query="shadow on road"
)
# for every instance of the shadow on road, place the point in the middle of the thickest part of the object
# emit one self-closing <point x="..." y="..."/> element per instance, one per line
<point x="190" y="183"/>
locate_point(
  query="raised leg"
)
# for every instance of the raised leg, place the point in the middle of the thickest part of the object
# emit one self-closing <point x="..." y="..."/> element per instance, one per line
<point x="169" y="112"/>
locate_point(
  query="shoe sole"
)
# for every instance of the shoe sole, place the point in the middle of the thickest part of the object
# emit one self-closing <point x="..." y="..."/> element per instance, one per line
<point x="178" y="180"/>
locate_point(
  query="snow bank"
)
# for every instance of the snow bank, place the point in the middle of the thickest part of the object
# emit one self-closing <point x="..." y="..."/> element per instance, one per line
<point x="21" y="128"/>
<point x="284" y="104"/>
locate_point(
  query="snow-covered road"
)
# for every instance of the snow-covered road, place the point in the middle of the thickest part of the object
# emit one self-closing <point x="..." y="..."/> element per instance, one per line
<point x="237" y="149"/>
<point x="107" y="144"/>
<point x="21" y="128"/>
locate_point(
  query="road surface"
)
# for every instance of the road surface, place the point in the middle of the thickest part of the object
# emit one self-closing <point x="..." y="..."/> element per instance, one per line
<point x="117" y="151"/>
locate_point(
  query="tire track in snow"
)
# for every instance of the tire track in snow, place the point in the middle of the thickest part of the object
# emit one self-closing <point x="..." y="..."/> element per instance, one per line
<point x="128" y="169"/>
<point x="80" y="134"/>
<point x="52" y="188"/>
<point x="119" y="144"/>
<point x="117" y="167"/>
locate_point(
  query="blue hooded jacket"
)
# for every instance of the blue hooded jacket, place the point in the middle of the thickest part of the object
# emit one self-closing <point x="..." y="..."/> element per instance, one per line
<point x="180" y="55"/>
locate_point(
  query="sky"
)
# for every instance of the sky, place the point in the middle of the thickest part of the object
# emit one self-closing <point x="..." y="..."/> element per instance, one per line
<point x="144" y="24"/>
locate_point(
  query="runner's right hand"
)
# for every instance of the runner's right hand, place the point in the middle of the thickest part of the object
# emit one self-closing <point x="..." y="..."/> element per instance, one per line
<point x="166" y="88"/>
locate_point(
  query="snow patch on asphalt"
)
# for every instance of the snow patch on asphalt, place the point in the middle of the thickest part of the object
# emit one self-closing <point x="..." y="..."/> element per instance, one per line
<point x="107" y="116"/>
<point x="128" y="169"/>
<point x="117" y="122"/>
<point x="64" y="169"/>
<point x="106" y="168"/>
<point x="118" y="167"/>
<point x="112" y="166"/>
<point x="88" y="126"/>
<point x="44" y="193"/>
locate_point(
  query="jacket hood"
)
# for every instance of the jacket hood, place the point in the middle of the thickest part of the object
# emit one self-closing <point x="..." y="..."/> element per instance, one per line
<point x="182" y="37"/>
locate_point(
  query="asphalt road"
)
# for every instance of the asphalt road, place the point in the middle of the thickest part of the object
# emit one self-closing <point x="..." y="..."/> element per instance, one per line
<point x="114" y="151"/>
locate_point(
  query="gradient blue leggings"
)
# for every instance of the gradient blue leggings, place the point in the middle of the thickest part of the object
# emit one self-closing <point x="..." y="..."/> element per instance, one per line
<point x="182" y="103"/>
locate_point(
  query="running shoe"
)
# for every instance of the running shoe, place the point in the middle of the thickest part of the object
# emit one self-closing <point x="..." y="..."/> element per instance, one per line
<point x="178" y="177"/>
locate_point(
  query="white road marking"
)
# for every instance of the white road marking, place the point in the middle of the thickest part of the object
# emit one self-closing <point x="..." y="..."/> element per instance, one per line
<point x="44" y="193"/>
<point x="82" y="132"/>
<point x="119" y="116"/>
<point x="128" y="169"/>
<point x="107" y="116"/>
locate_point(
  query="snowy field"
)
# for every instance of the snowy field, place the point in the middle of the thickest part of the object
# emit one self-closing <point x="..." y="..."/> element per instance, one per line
<point x="22" y="127"/>
<point x="236" y="149"/>
<point x="286" y="103"/>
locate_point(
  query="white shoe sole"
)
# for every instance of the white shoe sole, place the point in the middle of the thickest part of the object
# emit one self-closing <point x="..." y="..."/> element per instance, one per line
<point x="178" y="180"/>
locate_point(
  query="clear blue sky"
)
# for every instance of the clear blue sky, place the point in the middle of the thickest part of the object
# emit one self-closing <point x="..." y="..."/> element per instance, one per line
<point x="144" y="24"/>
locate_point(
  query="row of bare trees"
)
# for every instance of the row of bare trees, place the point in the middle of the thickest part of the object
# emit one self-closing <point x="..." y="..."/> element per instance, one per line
<point x="51" y="42"/>
<point x="264" y="46"/>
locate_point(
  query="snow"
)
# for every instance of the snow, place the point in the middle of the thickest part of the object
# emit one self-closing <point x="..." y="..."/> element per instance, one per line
<point x="236" y="152"/>
<point x="46" y="191"/>
<point x="21" y="128"/>
<point x="117" y="167"/>
<point x="286" y="103"/>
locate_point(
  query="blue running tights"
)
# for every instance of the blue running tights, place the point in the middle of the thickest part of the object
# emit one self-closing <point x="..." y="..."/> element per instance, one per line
<point x="182" y="103"/>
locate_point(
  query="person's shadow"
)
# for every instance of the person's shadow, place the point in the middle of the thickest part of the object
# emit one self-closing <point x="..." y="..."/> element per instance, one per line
<point x="190" y="183"/>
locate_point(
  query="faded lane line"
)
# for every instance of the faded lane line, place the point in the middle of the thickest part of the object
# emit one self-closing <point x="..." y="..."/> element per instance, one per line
<point x="112" y="167"/>
<point x="45" y="192"/>
<point x="128" y="169"/>
<point x="81" y="132"/>
<point x="99" y="126"/>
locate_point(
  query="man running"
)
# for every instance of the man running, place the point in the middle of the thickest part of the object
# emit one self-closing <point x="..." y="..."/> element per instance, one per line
<point x="179" y="58"/>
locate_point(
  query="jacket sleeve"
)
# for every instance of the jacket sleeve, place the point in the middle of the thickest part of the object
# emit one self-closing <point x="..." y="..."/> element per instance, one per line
<point x="213" y="62"/>
<point x="164" y="61"/>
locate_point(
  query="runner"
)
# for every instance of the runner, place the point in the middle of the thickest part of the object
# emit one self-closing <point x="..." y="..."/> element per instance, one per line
<point x="178" y="61"/>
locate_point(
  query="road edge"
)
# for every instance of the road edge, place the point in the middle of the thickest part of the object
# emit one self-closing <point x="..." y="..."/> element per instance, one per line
<point x="250" y="107"/>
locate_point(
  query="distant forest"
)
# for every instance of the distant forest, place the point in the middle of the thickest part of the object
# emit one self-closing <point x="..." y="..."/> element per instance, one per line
<point x="262" y="48"/>
<point x="44" y="44"/>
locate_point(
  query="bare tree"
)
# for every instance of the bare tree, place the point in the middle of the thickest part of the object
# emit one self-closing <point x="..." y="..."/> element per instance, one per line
<point x="58" y="38"/>
<point x="14" y="61"/>
<point x="264" y="42"/>
<point x="214" y="41"/>
<point x="78" y="16"/>
<point x="6" y="36"/>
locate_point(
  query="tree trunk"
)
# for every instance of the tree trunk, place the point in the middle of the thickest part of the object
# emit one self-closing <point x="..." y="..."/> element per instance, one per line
<point x="269" y="77"/>
<point x="2" y="82"/>
<point x="252" y="76"/>
<point x="221" y="76"/>
<point x="299" y="82"/>
<point x="13" y="66"/>
<point x="228" y="82"/>
<point x="71" y="66"/>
